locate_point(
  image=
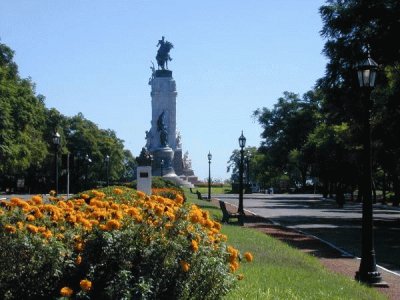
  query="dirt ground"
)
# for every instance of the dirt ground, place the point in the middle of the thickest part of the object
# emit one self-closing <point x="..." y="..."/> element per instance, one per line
<point x="330" y="257"/>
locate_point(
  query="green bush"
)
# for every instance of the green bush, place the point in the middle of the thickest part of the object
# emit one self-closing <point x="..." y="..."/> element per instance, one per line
<point x="112" y="244"/>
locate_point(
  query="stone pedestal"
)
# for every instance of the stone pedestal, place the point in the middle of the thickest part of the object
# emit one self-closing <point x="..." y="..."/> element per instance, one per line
<point x="163" y="100"/>
<point x="144" y="179"/>
<point x="178" y="162"/>
<point x="165" y="154"/>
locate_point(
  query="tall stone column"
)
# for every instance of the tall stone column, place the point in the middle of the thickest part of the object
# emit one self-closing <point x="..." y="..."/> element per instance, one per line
<point x="162" y="143"/>
<point x="163" y="99"/>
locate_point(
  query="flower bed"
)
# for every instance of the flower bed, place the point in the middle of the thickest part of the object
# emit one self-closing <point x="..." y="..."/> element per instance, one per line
<point x="112" y="244"/>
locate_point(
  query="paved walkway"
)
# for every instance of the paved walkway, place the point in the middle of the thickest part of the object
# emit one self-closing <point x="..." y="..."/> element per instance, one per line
<point x="298" y="215"/>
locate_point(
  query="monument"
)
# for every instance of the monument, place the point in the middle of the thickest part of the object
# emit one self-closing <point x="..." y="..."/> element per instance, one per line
<point x="163" y="140"/>
<point x="144" y="171"/>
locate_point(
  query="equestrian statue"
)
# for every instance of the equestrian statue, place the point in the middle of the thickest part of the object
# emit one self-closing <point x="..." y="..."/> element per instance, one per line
<point x="163" y="53"/>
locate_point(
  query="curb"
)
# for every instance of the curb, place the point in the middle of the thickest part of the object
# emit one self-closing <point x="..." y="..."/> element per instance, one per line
<point x="343" y="252"/>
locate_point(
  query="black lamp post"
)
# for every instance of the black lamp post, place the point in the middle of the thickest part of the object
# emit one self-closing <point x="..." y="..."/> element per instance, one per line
<point x="368" y="272"/>
<point x="209" y="156"/>
<point x="56" y="143"/>
<point x="107" y="160"/>
<point x="242" y="144"/>
<point x="162" y="167"/>
<point x="88" y="161"/>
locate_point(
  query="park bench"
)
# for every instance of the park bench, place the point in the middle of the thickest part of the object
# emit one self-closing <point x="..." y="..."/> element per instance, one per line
<point x="199" y="196"/>
<point x="226" y="215"/>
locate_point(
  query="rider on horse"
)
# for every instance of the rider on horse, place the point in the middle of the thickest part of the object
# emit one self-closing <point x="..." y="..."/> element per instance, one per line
<point x="163" y="53"/>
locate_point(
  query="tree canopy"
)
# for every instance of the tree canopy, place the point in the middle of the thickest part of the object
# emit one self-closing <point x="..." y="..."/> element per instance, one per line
<point x="26" y="131"/>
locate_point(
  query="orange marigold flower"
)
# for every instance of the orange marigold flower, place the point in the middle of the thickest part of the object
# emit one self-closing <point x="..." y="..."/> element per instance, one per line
<point x="86" y="223"/>
<point x="248" y="256"/>
<point x="78" y="260"/>
<point x="233" y="266"/>
<point x="85" y="196"/>
<point x="37" y="199"/>
<point x="30" y="218"/>
<point x="59" y="236"/>
<point x="141" y="194"/>
<point x="217" y="225"/>
<point x="194" y="245"/>
<point x="85" y="284"/>
<point x="98" y="194"/>
<point x="179" y="199"/>
<point x="133" y="211"/>
<point x="185" y="266"/>
<point x="113" y="224"/>
<point x="32" y="228"/>
<point x="118" y="191"/>
<point x="47" y="234"/>
<point x="94" y="222"/>
<point x="79" y="246"/>
<point x="20" y="225"/>
<point x="10" y="229"/>
<point x="66" y="291"/>
<point x="71" y="219"/>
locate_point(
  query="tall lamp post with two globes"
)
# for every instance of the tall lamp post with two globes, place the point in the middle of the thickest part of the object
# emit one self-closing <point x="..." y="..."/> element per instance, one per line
<point x="242" y="144"/>
<point x="209" y="156"/>
<point x="107" y="160"/>
<point x="367" y="272"/>
<point x="56" y="143"/>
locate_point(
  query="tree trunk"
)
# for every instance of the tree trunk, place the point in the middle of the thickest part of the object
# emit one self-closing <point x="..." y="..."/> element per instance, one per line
<point x="339" y="195"/>
<point x="374" y="191"/>
<point x="325" y="189"/>
<point x="396" y="188"/>
<point x="384" y="188"/>
<point x="359" y="194"/>
<point x="330" y="189"/>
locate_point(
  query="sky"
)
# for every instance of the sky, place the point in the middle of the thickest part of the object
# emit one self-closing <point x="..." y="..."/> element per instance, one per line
<point x="230" y="58"/>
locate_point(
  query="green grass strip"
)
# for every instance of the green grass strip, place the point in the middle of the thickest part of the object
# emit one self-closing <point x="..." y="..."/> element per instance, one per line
<point x="282" y="272"/>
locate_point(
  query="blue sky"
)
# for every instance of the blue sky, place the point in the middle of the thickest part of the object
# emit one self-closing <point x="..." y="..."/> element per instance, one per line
<point x="230" y="58"/>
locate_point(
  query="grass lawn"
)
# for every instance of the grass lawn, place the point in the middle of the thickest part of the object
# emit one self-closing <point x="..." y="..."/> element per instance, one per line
<point x="214" y="190"/>
<point x="281" y="272"/>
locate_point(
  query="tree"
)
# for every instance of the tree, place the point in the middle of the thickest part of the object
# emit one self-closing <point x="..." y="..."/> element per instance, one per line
<point x="351" y="28"/>
<point x="234" y="162"/>
<point x="22" y="122"/>
<point x="285" y="131"/>
<point x="26" y="147"/>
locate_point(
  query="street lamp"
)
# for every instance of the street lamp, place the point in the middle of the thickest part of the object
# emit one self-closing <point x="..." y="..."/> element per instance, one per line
<point x="162" y="167"/>
<point x="56" y="142"/>
<point x="209" y="156"/>
<point x="242" y="144"/>
<point x="367" y="273"/>
<point x="107" y="159"/>
<point x="88" y="161"/>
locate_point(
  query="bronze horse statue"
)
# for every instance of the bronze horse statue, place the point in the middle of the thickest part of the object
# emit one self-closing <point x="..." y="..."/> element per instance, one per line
<point x="163" y="54"/>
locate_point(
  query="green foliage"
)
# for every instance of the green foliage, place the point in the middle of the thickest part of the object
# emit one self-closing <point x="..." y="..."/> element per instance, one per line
<point x="22" y="119"/>
<point x="285" y="130"/>
<point x="26" y="148"/>
<point x="26" y="259"/>
<point x="112" y="244"/>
